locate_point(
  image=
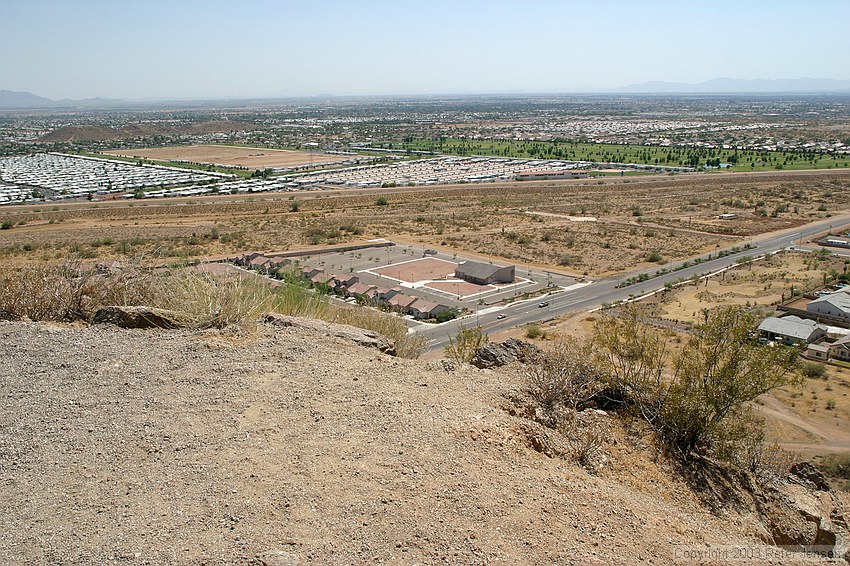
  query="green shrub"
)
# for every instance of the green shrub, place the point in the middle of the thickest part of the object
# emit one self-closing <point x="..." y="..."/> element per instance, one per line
<point x="697" y="400"/>
<point x="813" y="370"/>
<point x="533" y="331"/>
<point x="461" y="348"/>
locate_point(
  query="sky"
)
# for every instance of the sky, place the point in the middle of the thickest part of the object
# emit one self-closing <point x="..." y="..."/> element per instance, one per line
<point x="267" y="48"/>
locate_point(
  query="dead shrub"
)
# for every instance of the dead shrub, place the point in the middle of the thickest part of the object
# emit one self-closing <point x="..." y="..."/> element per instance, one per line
<point x="564" y="376"/>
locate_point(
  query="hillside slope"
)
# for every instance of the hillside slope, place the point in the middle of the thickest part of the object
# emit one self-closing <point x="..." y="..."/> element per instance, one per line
<point x="203" y="447"/>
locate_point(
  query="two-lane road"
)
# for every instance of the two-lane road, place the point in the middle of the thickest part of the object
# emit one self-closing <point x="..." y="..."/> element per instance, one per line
<point x="605" y="290"/>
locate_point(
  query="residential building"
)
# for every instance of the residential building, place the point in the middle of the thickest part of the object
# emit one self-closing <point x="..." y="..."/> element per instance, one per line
<point x="792" y="330"/>
<point x="835" y="305"/>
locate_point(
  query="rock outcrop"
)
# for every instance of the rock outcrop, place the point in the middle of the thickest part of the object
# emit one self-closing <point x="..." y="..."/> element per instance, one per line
<point x="501" y="354"/>
<point x="799" y="512"/>
<point x="359" y="336"/>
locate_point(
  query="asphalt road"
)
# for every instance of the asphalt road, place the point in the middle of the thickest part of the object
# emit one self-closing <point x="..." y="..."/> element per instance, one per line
<point x="606" y="291"/>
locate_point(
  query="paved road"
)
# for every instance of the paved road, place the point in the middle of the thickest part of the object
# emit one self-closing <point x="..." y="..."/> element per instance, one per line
<point x="606" y="291"/>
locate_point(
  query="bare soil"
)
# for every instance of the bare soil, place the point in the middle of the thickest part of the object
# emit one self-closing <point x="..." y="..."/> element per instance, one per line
<point x="251" y="157"/>
<point x="492" y="222"/>
<point x="166" y="447"/>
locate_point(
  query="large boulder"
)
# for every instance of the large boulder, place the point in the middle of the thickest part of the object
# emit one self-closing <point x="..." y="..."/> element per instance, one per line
<point x="501" y="354"/>
<point x="137" y="317"/>
<point x="359" y="336"/>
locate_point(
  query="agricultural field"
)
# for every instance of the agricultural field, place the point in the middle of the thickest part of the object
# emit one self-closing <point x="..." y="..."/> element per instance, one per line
<point x="232" y="156"/>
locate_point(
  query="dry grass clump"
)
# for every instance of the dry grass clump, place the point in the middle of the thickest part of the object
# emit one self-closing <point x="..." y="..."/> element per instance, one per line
<point x="70" y="292"/>
<point x="212" y="301"/>
<point x="407" y="345"/>
<point x="67" y="291"/>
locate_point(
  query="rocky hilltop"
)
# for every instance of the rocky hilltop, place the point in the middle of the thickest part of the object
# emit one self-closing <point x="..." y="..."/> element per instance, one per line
<point x="290" y="445"/>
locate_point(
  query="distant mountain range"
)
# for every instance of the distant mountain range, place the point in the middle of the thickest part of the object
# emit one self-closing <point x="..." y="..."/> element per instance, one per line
<point x="11" y="100"/>
<point x="725" y="85"/>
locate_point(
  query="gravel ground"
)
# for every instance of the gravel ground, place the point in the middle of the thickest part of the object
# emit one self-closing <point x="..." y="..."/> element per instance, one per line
<point x="162" y="447"/>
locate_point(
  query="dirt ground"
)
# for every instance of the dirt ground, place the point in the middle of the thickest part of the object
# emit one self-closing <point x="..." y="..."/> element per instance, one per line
<point x="763" y="283"/>
<point x="147" y="447"/>
<point x="421" y="269"/>
<point x="252" y="158"/>
<point x="490" y="222"/>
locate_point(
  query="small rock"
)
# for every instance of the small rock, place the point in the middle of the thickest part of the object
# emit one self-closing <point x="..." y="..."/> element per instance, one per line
<point x="502" y="354"/>
<point x="278" y="558"/>
<point x="136" y="317"/>
<point x="359" y="336"/>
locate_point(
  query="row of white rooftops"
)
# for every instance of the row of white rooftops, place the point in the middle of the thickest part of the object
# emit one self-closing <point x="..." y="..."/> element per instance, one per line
<point x="438" y="170"/>
<point x="74" y="175"/>
<point x="244" y="186"/>
<point x="12" y="193"/>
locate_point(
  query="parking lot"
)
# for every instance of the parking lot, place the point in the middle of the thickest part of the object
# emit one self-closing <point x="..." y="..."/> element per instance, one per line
<point x="400" y="266"/>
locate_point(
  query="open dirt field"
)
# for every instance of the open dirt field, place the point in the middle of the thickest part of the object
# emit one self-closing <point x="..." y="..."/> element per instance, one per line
<point x="250" y="157"/>
<point x="764" y="283"/>
<point x="418" y="270"/>
<point x="663" y="218"/>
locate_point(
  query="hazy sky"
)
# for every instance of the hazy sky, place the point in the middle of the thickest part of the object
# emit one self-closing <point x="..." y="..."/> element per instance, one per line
<point x="211" y="48"/>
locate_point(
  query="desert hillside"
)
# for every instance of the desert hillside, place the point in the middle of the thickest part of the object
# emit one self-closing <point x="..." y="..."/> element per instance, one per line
<point x="213" y="447"/>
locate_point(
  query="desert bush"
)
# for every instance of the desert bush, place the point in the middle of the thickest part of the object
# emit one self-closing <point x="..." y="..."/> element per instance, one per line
<point x="461" y="348"/>
<point x="813" y="370"/>
<point x="533" y="331"/>
<point x="632" y="358"/>
<point x="564" y="376"/>
<point x="702" y="406"/>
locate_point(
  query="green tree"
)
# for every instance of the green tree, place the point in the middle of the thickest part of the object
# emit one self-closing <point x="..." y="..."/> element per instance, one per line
<point x="721" y="369"/>
<point x="703" y="405"/>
